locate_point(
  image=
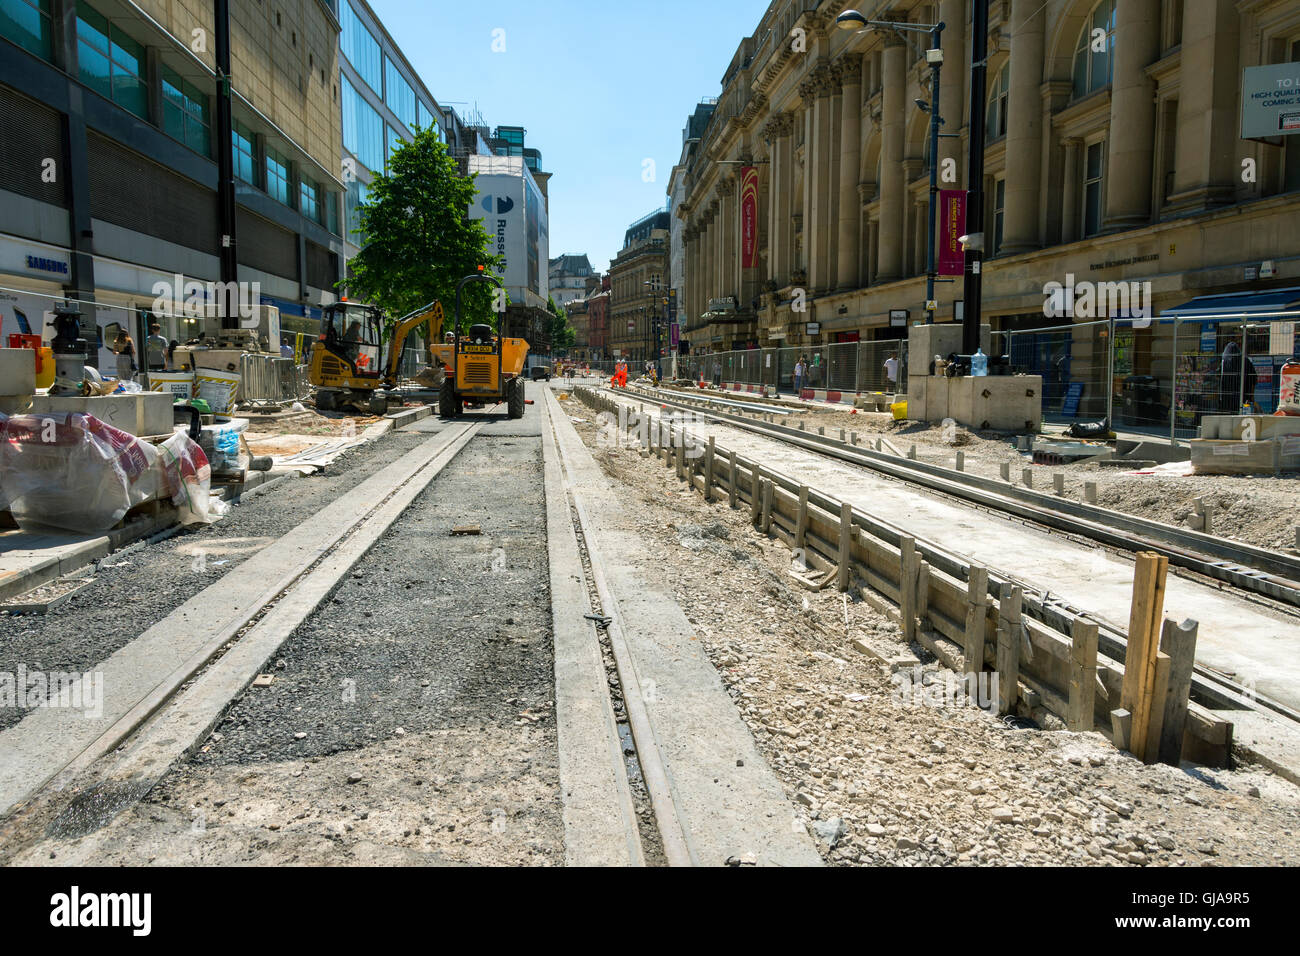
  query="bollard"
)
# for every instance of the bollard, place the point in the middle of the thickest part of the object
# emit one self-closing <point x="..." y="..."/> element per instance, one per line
<point x="1027" y="476"/>
<point x="821" y="430"/>
<point x="841" y="434"/>
<point x="961" y="461"/>
<point x="854" y="437"/>
<point x="1005" y="468"/>
<point x="1058" y="483"/>
<point x="911" y="453"/>
<point x="1090" y="492"/>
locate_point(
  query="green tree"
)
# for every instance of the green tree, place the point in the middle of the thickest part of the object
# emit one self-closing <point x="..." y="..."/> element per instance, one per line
<point x="563" y="335"/>
<point x="420" y="240"/>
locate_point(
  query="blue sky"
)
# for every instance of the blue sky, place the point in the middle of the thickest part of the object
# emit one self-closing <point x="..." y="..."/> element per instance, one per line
<point x="600" y="87"/>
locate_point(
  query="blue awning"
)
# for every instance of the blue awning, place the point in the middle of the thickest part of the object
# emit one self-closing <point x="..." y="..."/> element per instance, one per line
<point x="1237" y="304"/>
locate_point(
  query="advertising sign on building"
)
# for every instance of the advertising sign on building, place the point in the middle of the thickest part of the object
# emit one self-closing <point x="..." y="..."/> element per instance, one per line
<point x="952" y="226"/>
<point x="514" y="215"/>
<point x="1270" y="101"/>
<point x="749" y="217"/>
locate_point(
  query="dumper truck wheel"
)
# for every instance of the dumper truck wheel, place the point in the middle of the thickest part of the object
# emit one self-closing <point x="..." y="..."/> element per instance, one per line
<point x="325" y="400"/>
<point x="448" y="400"/>
<point x="378" y="404"/>
<point x="516" y="404"/>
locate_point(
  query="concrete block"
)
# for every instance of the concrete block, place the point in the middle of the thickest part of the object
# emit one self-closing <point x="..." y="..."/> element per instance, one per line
<point x="1235" y="426"/>
<point x="17" y="372"/>
<point x="1225" y="456"/>
<point x="1010" y="403"/>
<point x="141" y="414"/>
<point x="924" y="342"/>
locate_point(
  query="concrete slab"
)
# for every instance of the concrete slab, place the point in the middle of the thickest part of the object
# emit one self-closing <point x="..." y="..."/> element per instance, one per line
<point x="727" y="799"/>
<point x="141" y="414"/>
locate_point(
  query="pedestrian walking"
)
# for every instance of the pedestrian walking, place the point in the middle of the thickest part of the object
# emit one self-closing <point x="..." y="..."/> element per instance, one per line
<point x="891" y="372"/>
<point x="155" y="349"/>
<point x="124" y="348"/>
<point x="799" y="371"/>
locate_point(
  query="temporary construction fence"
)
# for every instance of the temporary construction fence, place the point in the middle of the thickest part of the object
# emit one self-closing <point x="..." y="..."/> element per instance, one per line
<point x="1158" y="376"/>
<point x="270" y="380"/>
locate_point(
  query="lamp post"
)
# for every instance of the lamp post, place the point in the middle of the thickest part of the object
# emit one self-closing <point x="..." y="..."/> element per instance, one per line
<point x="855" y="21"/>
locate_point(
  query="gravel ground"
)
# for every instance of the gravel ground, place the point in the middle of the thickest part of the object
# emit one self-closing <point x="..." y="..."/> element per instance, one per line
<point x="1256" y="509"/>
<point x="881" y="781"/>
<point x="130" y="592"/>
<point x="411" y="719"/>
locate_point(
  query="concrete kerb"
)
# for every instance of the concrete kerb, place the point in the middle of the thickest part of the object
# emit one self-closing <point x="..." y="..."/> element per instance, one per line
<point x="42" y="572"/>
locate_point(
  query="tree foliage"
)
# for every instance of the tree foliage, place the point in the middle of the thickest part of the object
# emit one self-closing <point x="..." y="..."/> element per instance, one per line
<point x="420" y="241"/>
<point x="563" y="335"/>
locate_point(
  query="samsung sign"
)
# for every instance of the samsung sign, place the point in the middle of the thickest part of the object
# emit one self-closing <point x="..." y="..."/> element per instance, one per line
<point x="47" y="265"/>
<point x="1270" y="101"/>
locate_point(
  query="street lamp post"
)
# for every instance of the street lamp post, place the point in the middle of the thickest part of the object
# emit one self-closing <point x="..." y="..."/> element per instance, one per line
<point x="853" y="20"/>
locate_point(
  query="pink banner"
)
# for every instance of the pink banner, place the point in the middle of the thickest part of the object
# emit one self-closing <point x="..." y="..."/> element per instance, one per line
<point x="952" y="226"/>
<point x="749" y="217"/>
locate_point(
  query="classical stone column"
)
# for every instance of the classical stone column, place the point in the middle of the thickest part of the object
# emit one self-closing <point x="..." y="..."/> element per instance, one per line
<point x="1132" y="115"/>
<point x="892" y="232"/>
<point x="956" y="72"/>
<point x="1024" y="128"/>
<point x="731" y="239"/>
<point x="1072" y="184"/>
<point x="816" y="93"/>
<point x="1206" y="153"/>
<point x="849" y="69"/>
<point x="780" y="191"/>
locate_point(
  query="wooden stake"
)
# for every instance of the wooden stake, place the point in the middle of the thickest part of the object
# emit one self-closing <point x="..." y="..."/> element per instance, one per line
<point x="1179" y="642"/>
<point x="923" y="595"/>
<point x="767" y="506"/>
<point x="977" y="601"/>
<point x="1145" y="615"/>
<point x="708" y="471"/>
<point x="755" y="492"/>
<point x="1009" y="648"/>
<point x="1121" y="728"/>
<point x="801" y="523"/>
<point x="1083" y="675"/>
<point x="846" y="545"/>
<point x="1156" y="717"/>
<point x="733" y="480"/>
<point x="909" y="570"/>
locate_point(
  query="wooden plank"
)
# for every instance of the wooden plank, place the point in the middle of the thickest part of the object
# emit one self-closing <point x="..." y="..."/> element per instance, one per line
<point x="908" y="570"/>
<point x="1121" y="728"/>
<point x="708" y="470"/>
<point x="733" y="481"/>
<point x="923" y="595"/>
<point x="1156" y="717"/>
<point x="1179" y="642"/>
<point x="1145" y="617"/>
<point x="977" y="598"/>
<point x="755" y="492"/>
<point x="801" y="523"/>
<point x="1083" y="676"/>
<point x="846" y="545"/>
<point x="766" y="524"/>
<point x="1008" y="658"/>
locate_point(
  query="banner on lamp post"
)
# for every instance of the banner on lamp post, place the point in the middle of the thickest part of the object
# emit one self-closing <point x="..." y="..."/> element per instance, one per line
<point x="749" y="217"/>
<point x="952" y="226"/>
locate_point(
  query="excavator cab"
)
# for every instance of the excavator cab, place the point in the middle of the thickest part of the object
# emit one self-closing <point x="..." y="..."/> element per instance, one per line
<point x="349" y="356"/>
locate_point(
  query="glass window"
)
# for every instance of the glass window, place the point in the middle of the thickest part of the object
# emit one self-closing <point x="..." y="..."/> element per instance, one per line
<point x="244" y="149"/>
<point x="27" y="23"/>
<point x="361" y="48"/>
<point x="400" y="97"/>
<point x="997" y="115"/>
<point x="999" y="213"/>
<point x="1092" y="189"/>
<point x="1094" y="60"/>
<point x="425" y="119"/>
<point x="363" y="128"/>
<point x="277" y="176"/>
<point x="185" y="112"/>
<point x="309" y="203"/>
<point x="358" y="193"/>
<point x="395" y="141"/>
<point x="111" y="62"/>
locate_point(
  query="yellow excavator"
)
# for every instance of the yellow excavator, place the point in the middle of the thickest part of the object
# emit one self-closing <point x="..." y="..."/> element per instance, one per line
<point x="349" y="365"/>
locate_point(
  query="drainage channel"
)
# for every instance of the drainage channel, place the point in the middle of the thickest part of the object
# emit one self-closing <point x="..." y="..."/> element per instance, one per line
<point x="652" y="845"/>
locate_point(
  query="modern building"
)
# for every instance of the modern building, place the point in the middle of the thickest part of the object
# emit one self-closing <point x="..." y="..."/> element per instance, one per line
<point x="638" y="282"/>
<point x="569" y="278"/>
<point x="108" y="171"/>
<point x="1114" y="154"/>
<point x="383" y="103"/>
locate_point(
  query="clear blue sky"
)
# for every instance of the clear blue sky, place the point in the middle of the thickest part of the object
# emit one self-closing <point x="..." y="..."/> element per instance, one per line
<point x="600" y="87"/>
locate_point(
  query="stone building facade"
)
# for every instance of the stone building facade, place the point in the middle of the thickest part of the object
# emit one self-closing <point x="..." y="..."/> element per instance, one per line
<point x="1113" y="154"/>
<point x="638" y="280"/>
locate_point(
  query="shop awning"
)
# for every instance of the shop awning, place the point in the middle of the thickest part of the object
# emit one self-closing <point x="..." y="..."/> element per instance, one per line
<point x="1238" y="304"/>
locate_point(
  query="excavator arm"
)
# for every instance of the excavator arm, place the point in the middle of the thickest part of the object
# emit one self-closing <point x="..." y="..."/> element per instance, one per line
<point x="432" y="315"/>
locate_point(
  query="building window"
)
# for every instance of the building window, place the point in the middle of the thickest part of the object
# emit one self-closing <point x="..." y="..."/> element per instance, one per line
<point x="363" y="128"/>
<point x="1092" y="188"/>
<point x="1094" y="60"/>
<point x="358" y="193"/>
<point x="398" y="94"/>
<point x="309" y="203"/>
<point x="395" y="142"/>
<point x="999" y="214"/>
<point x="185" y="113"/>
<point x="425" y="118"/>
<point x="112" y="64"/>
<point x="997" y="115"/>
<point x="27" y="23"/>
<point x="244" y="150"/>
<point x="361" y="48"/>
<point x="277" y="176"/>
